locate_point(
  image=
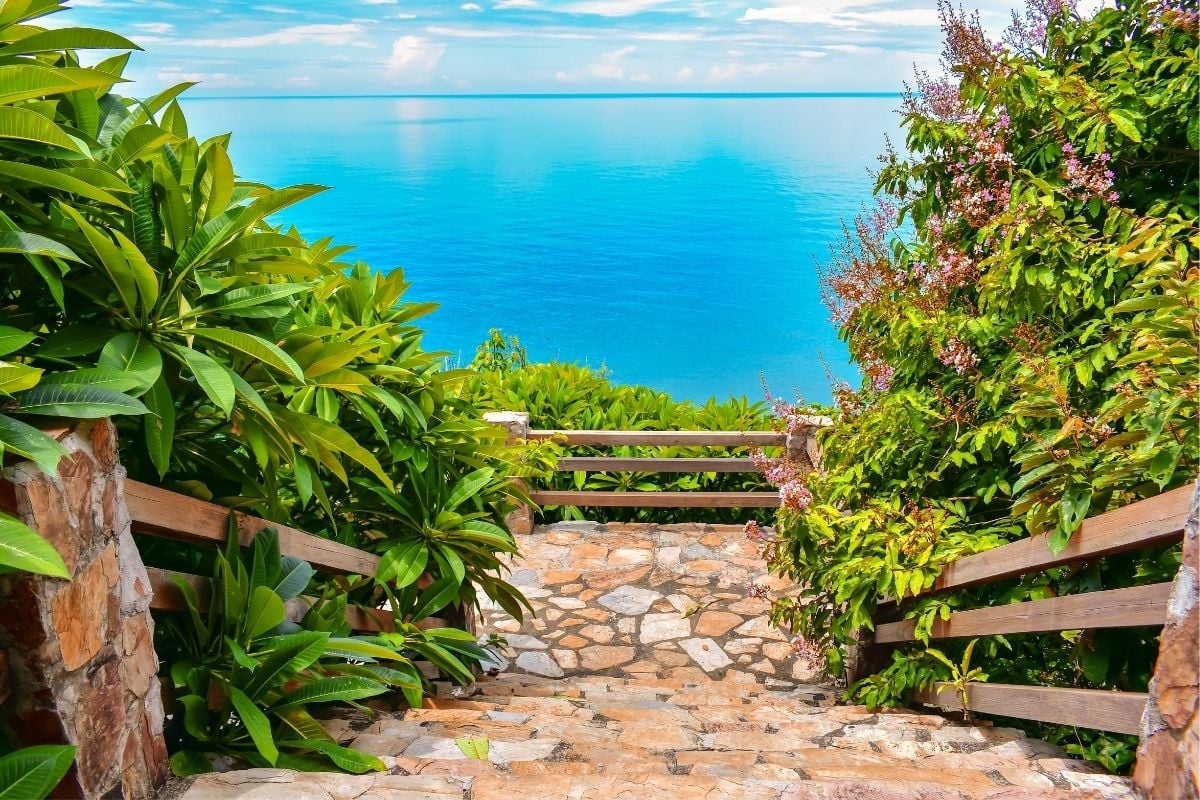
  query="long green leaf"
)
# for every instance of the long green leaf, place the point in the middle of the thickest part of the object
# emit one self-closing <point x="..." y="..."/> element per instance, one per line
<point x="34" y="771"/>
<point x="253" y="346"/>
<point x="33" y="244"/>
<point x="13" y="339"/>
<point x="58" y="179"/>
<point x="263" y="613"/>
<point x="330" y="689"/>
<point x="30" y="126"/>
<point x="28" y="442"/>
<point x="403" y="564"/>
<point x="256" y="723"/>
<point x="212" y="377"/>
<point x="22" y="549"/>
<point x="68" y="39"/>
<point x="77" y="402"/>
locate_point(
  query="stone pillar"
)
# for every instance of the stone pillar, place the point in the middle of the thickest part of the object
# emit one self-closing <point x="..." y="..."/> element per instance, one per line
<point x="520" y="521"/>
<point x="1168" y="759"/>
<point x="803" y="448"/>
<point x="82" y="651"/>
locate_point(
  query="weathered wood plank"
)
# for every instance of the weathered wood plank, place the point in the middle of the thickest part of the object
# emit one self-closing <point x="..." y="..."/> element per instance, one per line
<point x="593" y="464"/>
<point x="165" y="514"/>
<point x="1157" y="520"/>
<point x="168" y="597"/>
<point x="667" y="438"/>
<point x="1120" y="712"/>
<point x="657" y="499"/>
<point x="1115" y="608"/>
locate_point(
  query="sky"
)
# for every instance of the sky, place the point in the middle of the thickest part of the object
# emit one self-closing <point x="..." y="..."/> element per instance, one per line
<point x="363" y="47"/>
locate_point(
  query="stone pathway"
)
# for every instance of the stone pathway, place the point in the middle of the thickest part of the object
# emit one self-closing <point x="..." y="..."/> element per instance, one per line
<point x="591" y="738"/>
<point x="649" y="601"/>
<point x="648" y="674"/>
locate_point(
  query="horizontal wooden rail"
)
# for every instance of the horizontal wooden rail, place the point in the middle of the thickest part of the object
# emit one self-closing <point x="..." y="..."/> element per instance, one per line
<point x="666" y="438"/>
<point x="657" y="499"/>
<point x="168" y="515"/>
<point x="591" y="464"/>
<point x="1120" y="712"/>
<point x="1115" y="608"/>
<point x="168" y="597"/>
<point x="1158" y="520"/>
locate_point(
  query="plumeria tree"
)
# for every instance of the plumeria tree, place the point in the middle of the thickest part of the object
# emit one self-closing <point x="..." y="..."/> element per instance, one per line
<point x="1021" y="300"/>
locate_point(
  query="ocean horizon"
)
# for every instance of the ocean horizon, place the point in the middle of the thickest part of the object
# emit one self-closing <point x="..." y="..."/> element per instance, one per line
<point x="672" y="238"/>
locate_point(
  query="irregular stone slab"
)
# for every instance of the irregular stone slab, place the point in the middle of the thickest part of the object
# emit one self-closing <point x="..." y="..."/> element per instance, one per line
<point x="717" y="623"/>
<point x="707" y="653"/>
<point x="629" y="600"/>
<point x="599" y="657"/>
<point x="662" y="627"/>
<point x="539" y="664"/>
<point x="276" y="784"/>
<point x="520" y="641"/>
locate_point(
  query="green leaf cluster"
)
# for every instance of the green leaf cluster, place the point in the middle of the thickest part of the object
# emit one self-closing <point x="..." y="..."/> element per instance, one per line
<point x="1057" y="382"/>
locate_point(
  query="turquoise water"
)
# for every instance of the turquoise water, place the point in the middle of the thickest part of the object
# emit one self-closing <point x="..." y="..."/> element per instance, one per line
<point x="670" y="238"/>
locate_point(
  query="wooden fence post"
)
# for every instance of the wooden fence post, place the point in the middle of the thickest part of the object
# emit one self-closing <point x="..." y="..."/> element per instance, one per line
<point x="519" y="521"/>
<point x="803" y="448"/>
<point x="84" y="670"/>
<point x="1167" y="767"/>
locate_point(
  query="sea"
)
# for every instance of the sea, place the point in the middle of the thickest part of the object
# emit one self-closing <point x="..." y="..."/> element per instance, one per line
<point x="673" y="240"/>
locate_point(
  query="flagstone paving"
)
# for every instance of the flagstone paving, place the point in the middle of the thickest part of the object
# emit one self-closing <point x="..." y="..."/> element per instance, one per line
<point x="649" y="601"/>
<point x="614" y="691"/>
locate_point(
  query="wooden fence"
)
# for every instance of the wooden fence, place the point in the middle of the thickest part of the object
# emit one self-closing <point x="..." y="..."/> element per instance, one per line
<point x="801" y="446"/>
<point x="167" y="515"/>
<point x="1157" y="521"/>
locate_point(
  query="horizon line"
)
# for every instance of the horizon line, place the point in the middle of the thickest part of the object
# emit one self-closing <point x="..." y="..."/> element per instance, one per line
<point x="542" y="95"/>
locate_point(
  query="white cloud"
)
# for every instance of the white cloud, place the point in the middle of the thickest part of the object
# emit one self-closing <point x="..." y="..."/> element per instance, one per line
<point x="154" y="27"/>
<point x="414" y="57"/>
<point x="470" y="33"/>
<point x="517" y="4"/>
<point x="331" y="35"/>
<point x="726" y="73"/>
<point x="621" y="8"/>
<point x="300" y="80"/>
<point x="842" y="14"/>
<point x="685" y="74"/>
<point x="565" y="77"/>
<point x="471" y="7"/>
<point x="609" y="66"/>
<point x="210" y="80"/>
<point x="380" y="2"/>
<point x="275" y="9"/>
<point x="641" y="77"/>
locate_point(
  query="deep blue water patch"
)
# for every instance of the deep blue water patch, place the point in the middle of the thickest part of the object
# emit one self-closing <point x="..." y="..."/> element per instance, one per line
<point x="672" y="238"/>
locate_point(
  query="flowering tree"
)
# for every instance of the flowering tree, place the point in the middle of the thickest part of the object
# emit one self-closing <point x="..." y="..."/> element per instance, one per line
<point x="1022" y="303"/>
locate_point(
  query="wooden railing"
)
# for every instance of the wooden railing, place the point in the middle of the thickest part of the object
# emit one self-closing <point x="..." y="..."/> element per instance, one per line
<point x="658" y="439"/>
<point x="167" y="515"/>
<point x="801" y="446"/>
<point x="1157" y="521"/>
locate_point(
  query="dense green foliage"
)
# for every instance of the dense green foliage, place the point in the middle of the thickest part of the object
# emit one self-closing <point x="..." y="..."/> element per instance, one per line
<point x="1023" y="305"/>
<point x="246" y="675"/>
<point x="569" y="396"/>
<point x="141" y="280"/>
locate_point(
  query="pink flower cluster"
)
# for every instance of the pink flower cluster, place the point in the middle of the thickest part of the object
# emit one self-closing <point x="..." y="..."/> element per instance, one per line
<point x="958" y="354"/>
<point x="755" y="532"/>
<point x="780" y="472"/>
<point x="758" y="590"/>
<point x="1093" y="179"/>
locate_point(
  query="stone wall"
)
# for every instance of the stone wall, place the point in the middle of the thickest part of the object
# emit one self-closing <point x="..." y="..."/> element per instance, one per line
<point x="1169" y="755"/>
<point x="81" y="652"/>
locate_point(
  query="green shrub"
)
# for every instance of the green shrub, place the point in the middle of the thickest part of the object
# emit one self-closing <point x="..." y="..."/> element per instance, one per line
<point x="1022" y="302"/>
<point x="561" y="396"/>
<point x="141" y="280"/>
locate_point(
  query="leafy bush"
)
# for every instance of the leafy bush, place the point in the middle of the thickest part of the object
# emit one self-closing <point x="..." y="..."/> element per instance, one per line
<point x="561" y="396"/>
<point x="247" y="675"/>
<point x="1022" y="301"/>
<point x="141" y="280"/>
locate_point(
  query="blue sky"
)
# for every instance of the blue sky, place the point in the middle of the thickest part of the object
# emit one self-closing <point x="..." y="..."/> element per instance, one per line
<point x="299" y="47"/>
